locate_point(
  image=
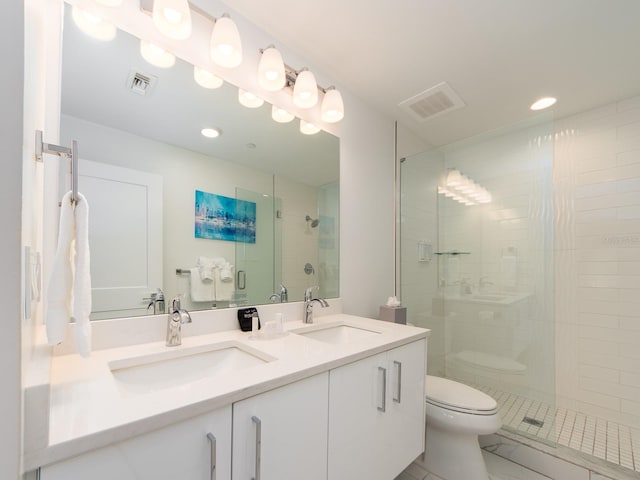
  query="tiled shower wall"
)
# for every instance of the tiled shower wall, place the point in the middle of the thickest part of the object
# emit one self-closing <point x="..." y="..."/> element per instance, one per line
<point x="597" y="237"/>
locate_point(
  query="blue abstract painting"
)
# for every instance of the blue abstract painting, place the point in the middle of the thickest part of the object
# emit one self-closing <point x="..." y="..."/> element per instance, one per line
<point x="224" y="218"/>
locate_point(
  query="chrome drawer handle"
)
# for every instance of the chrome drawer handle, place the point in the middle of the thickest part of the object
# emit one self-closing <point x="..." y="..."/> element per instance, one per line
<point x="212" y="464"/>
<point x="398" y="397"/>
<point x="258" y="423"/>
<point x="383" y="408"/>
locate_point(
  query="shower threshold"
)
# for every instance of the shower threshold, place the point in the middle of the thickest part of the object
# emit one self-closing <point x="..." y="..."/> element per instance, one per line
<point x="602" y="439"/>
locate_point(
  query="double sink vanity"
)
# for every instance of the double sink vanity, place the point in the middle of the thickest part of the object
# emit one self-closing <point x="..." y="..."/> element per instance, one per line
<point x="340" y="398"/>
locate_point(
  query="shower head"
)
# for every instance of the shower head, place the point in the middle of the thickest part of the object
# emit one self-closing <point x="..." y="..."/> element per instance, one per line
<point x="313" y="222"/>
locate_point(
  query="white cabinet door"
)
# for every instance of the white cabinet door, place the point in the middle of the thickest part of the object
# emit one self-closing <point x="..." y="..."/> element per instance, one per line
<point x="182" y="451"/>
<point x="376" y="414"/>
<point x="282" y="434"/>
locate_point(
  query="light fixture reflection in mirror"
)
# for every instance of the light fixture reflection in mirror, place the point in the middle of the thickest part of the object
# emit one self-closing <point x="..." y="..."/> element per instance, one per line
<point x="206" y="79"/>
<point x="308" y="128"/>
<point x="156" y="55"/>
<point x="248" y="99"/>
<point x="280" y="115"/>
<point x="172" y="18"/>
<point x="93" y="25"/>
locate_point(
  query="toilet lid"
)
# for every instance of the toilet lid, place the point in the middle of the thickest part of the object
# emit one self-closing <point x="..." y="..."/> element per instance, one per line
<point x="447" y="393"/>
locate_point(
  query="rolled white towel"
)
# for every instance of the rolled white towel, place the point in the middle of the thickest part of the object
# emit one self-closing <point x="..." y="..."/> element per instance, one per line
<point x="207" y="265"/>
<point x="226" y="273"/>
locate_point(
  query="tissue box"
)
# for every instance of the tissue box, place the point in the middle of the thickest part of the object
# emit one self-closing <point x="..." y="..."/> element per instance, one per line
<point x="393" y="314"/>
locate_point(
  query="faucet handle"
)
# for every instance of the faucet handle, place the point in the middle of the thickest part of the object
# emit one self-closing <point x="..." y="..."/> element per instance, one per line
<point x="308" y="293"/>
<point x="175" y="303"/>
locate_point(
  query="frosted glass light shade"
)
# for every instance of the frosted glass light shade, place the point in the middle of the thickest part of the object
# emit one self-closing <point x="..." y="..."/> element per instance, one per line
<point x="248" y="99"/>
<point x="93" y="25"/>
<point x="226" y="48"/>
<point x="454" y="178"/>
<point x="280" y="115"/>
<point x="332" y="110"/>
<point x="172" y="18"/>
<point x="110" y="3"/>
<point x="305" y="90"/>
<point x="271" y="75"/>
<point x="206" y="79"/>
<point x="308" y="128"/>
<point x="156" y="55"/>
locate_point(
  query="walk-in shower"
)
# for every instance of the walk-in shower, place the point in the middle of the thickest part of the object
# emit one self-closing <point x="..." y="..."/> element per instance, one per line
<point x="533" y="296"/>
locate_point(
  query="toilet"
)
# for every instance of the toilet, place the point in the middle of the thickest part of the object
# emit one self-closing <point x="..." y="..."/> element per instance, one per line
<point x="456" y="414"/>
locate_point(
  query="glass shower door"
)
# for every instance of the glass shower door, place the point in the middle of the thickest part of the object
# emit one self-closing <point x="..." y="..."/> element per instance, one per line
<point x="484" y="208"/>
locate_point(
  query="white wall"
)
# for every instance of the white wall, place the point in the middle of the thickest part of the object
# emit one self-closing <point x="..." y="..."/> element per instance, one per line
<point x="597" y="184"/>
<point x="11" y="78"/>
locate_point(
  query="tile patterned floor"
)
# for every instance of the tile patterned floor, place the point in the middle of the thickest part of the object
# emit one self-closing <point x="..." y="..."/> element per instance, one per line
<point x="610" y="441"/>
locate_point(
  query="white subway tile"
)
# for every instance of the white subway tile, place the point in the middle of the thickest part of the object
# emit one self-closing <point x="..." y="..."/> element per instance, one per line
<point x="630" y="156"/>
<point x="598" y="320"/>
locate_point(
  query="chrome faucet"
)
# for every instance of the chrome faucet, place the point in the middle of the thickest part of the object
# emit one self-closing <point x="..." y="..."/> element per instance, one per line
<point x="177" y="316"/>
<point x="308" y="303"/>
<point x="282" y="297"/>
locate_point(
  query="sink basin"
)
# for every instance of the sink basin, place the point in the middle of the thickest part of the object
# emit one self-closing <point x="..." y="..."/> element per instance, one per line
<point x="181" y="366"/>
<point x="337" y="334"/>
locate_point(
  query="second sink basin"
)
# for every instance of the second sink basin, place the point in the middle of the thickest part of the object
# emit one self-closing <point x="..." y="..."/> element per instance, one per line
<point x="337" y="334"/>
<point x="182" y="366"/>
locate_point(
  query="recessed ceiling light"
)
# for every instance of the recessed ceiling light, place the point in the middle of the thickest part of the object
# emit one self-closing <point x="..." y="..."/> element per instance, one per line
<point x="543" y="103"/>
<point x="210" y="132"/>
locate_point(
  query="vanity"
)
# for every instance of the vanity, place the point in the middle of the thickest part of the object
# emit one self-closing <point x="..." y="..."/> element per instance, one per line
<point x="341" y="398"/>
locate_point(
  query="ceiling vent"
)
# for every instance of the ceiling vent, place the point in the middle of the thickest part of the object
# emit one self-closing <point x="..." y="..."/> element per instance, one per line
<point x="432" y="103"/>
<point x="141" y="83"/>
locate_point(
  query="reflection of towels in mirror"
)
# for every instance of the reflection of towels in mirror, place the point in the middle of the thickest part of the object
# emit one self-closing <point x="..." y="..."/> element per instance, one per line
<point x="201" y="291"/>
<point x="226" y="272"/>
<point x="207" y="265"/>
<point x="225" y="288"/>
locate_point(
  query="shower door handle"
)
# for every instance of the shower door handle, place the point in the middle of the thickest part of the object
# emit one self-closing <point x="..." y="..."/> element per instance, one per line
<point x="242" y="279"/>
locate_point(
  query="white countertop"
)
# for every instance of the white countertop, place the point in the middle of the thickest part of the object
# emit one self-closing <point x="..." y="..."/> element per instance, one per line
<point x="88" y="409"/>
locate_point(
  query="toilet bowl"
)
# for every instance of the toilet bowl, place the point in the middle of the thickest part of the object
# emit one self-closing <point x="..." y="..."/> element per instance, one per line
<point x="456" y="414"/>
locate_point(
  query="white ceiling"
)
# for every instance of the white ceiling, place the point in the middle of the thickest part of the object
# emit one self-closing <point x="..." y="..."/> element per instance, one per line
<point x="498" y="55"/>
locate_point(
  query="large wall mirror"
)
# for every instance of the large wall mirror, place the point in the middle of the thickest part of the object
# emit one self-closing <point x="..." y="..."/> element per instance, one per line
<point x="223" y="221"/>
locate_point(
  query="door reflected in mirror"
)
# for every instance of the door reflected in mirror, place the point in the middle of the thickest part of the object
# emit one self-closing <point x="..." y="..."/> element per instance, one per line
<point x="143" y="157"/>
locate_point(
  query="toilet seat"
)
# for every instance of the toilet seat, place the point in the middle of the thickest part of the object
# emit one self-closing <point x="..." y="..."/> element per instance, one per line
<point x="458" y="397"/>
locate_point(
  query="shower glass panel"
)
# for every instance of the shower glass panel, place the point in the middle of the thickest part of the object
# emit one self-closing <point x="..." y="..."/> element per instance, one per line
<point x="476" y="267"/>
<point x="256" y="261"/>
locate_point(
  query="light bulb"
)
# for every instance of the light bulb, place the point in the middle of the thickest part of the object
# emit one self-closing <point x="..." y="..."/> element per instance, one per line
<point x="248" y="99"/>
<point x="206" y="79"/>
<point x="210" y="132"/>
<point x="172" y="18"/>
<point x="156" y="55"/>
<point x="543" y="103"/>
<point x="308" y="128"/>
<point x="305" y="90"/>
<point x="332" y="110"/>
<point x="226" y="48"/>
<point x="93" y="25"/>
<point x="271" y="75"/>
<point x="280" y="115"/>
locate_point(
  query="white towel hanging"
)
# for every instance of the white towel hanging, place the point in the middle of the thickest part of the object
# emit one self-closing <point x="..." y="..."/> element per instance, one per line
<point x="69" y="294"/>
